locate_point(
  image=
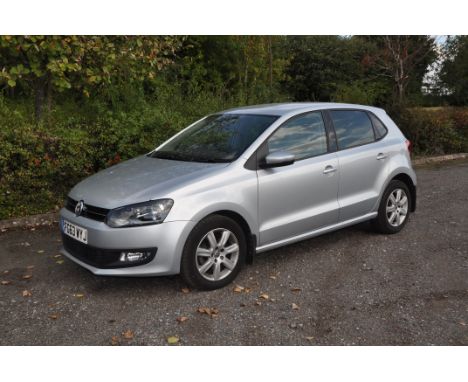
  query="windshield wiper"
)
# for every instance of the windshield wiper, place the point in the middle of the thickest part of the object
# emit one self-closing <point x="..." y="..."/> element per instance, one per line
<point x="186" y="157"/>
<point x="171" y="155"/>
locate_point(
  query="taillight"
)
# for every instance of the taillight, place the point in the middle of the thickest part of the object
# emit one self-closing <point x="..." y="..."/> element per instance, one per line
<point x="409" y="146"/>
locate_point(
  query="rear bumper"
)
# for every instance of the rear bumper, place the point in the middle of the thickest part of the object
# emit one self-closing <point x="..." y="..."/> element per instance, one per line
<point x="105" y="244"/>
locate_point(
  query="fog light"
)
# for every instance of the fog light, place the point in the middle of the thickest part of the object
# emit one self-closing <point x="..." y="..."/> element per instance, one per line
<point x="131" y="257"/>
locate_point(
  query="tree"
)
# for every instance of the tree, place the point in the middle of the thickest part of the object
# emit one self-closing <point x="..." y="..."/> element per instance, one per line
<point x="45" y="64"/>
<point x="244" y="68"/>
<point x="404" y="61"/>
<point x="454" y="71"/>
<point x="319" y="65"/>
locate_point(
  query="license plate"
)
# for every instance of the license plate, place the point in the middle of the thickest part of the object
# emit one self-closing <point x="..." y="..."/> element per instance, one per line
<point x="72" y="230"/>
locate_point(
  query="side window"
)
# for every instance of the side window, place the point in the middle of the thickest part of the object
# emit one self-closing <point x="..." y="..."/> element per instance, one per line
<point x="352" y="127"/>
<point x="380" y="129"/>
<point x="303" y="136"/>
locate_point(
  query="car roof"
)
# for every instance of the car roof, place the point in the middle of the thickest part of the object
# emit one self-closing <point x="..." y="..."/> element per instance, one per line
<point x="280" y="109"/>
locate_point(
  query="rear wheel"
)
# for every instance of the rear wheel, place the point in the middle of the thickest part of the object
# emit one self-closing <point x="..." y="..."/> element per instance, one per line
<point x="214" y="253"/>
<point x="394" y="209"/>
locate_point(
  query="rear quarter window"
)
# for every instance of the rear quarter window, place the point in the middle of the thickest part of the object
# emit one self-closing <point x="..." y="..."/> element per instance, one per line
<point x="352" y="128"/>
<point x="379" y="127"/>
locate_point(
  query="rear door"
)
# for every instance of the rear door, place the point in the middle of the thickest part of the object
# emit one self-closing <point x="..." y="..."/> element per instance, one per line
<point x="362" y="162"/>
<point x="301" y="197"/>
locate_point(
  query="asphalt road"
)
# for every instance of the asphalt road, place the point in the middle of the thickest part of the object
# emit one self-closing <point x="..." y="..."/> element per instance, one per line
<point x="349" y="287"/>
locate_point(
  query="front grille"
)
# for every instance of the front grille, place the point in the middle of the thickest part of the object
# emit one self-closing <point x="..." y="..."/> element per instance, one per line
<point x="90" y="212"/>
<point x="100" y="258"/>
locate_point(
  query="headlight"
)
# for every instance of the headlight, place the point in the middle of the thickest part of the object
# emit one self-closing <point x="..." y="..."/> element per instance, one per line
<point x="152" y="212"/>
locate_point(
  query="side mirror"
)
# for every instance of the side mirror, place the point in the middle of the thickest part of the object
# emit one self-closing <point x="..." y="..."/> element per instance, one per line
<point x="278" y="159"/>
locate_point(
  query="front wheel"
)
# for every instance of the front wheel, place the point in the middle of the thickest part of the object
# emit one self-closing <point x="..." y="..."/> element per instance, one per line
<point x="394" y="209"/>
<point x="214" y="253"/>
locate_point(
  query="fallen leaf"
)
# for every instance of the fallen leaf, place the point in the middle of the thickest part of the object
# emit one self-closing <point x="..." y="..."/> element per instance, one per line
<point x="296" y="289"/>
<point x="462" y="323"/>
<point x="40" y="251"/>
<point x="212" y="312"/>
<point x="30" y="267"/>
<point x="26" y="277"/>
<point x="5" y="272"/>
<point x="294" y="306"/>
<point x="172" y="340"/>
<point x="79" y="295"/>
<point x="264" y="296"/>
<point x="185" y="290"/>
<point x="310" y="338"/>
<point x="273" y="277"/>
<point x="182" y="319"/>
<point x="5" y="282"/>
<point x="57" y="256"/>
<point x="115" y="341"/>
<point x="238" y="289"/>
<point x="128" y="334"/>
<point x="247" y="290"/>
<point x="59" y="261"/>
<point x="27" y="293"/>
<point x="53" y="316"/>
<point x="258" y="303"/>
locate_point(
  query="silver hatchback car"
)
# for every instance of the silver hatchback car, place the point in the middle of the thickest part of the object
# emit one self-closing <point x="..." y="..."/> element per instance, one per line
<point x="240" y="182"/>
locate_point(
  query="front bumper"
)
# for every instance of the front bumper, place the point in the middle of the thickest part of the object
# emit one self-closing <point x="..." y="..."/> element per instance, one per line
<point x="166" y="239"/>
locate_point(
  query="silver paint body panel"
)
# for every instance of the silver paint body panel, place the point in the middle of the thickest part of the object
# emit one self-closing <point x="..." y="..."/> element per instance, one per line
<point x="280" y="205"/>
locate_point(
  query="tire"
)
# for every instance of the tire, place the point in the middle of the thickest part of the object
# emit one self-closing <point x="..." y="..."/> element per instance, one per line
<point x="205" y="244"/>
<point x="384" y="223"/>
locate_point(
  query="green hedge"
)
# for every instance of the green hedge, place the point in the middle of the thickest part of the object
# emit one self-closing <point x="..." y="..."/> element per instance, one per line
<point x="40" y="163"/>
<point x="435" y="130"/>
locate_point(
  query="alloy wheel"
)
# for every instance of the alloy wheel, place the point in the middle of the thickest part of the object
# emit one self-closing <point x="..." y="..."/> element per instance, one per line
<point x="397" y="207"/>
<point x="217" y="254"/>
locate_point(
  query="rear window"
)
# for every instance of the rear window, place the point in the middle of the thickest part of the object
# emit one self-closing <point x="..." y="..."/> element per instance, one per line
<point x="352" y="127"/>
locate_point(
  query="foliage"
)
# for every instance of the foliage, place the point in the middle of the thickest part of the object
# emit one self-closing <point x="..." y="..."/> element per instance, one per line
<point x="360" y="92"/>
<point x="402" y="61"/>
<point x="39" y="163"/>
<point x="434" y="131"/>
<point x="45" y="64"/>
<point x="454" y="71"/>
<point x="72" y="105"/>
<point x="319" y="65"/>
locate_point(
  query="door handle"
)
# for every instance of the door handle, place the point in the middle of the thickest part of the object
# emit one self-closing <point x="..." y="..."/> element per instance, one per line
<point x="381" y="156"/>
<point x="329" y="169"/>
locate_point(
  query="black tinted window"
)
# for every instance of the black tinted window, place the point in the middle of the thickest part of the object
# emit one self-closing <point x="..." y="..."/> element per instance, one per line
<point x="303" y="136"/>
<point x="352" y="127"/>
<point x="380" y="129"/>
<point x="217" y="138"/>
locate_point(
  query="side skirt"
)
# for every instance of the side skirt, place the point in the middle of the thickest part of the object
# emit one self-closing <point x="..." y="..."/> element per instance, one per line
<point x="316" y="232"/>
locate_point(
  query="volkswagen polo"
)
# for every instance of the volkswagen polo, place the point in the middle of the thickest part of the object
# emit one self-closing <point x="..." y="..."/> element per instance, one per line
<point x="240" y="182"/>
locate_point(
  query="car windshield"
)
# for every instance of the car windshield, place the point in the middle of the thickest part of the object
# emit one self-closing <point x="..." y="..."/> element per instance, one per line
<point x="217" y="138"/>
